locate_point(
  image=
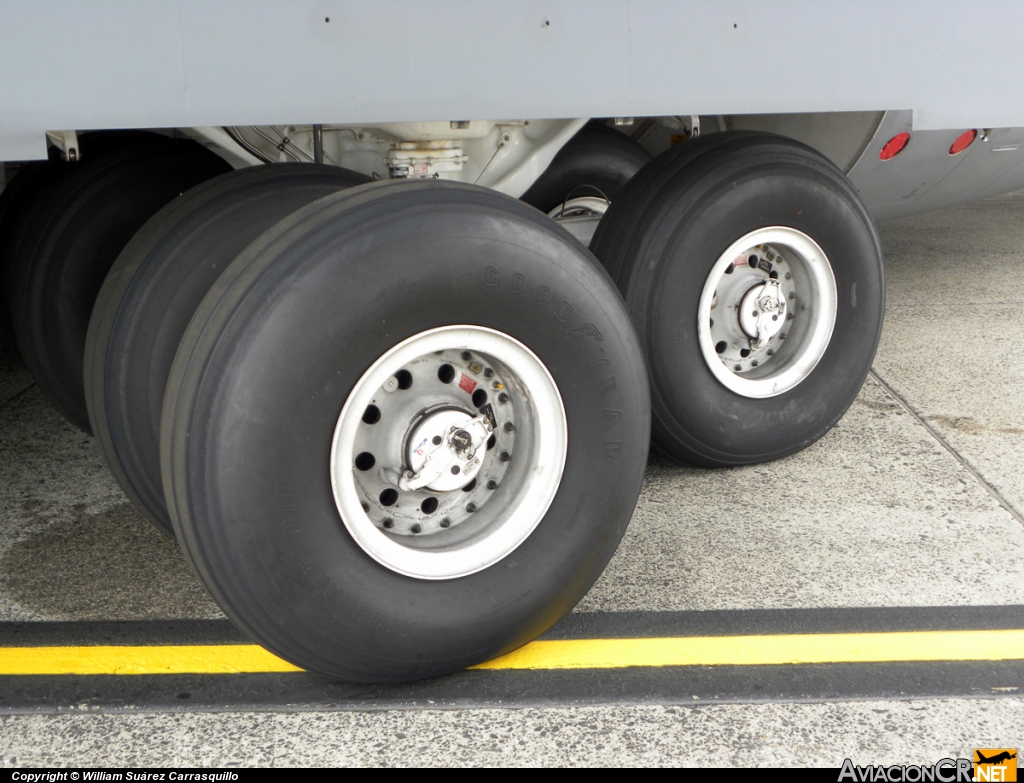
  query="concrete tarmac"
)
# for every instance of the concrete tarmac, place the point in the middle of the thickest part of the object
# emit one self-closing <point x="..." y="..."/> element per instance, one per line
<point x="915" y="499"/>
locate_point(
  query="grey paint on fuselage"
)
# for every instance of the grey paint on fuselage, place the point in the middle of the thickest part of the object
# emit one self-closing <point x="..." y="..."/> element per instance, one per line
<point x="67" y="64"/>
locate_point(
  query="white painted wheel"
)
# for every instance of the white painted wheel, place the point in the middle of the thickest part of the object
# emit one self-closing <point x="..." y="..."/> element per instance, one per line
<point x="448" y="452"/>
<point x="767" y="312"/>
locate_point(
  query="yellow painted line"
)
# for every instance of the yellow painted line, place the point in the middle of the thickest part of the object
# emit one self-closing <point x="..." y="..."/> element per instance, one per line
<point x="766" y="650"/>
<point x="565" y="654"/>
<point x="195" y="659"/>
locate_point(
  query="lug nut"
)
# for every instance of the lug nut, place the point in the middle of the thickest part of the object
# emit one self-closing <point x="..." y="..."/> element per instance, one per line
<point x="471" y="507"/>
<point x="466" y="356"/>
<point x="503" y="397"/>
<point x="389" y="523"/>
<point x="416" y="528"/>
<point x="782" y="335"/>
<point x="509" y="426"/>
<point x="792" y="294"/>
<point x="446" y="522"/>
<point x="754" y="363"/>
<point x="789" y="316"/>
<point x="505" y="456"/>
<point x="789" y="275"/>
<point x="366" y="506"/>
<point x="488" y="373"/>
<point x="771" y="352"/>
<point x="492" y="484"/>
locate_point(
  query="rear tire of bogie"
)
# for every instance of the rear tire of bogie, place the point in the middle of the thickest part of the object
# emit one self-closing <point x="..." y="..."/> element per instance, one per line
<point x="150" y="294"/>
<point x="71" y="242"/>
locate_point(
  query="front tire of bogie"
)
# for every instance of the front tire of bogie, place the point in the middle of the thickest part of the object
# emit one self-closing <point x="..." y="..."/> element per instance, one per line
<point x="342" y="369"/>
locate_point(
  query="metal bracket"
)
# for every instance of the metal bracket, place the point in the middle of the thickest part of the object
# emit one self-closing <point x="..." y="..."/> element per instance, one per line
<point x="67" y="142"/>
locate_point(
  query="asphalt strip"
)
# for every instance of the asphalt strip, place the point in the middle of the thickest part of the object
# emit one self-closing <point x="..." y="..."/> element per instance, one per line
<point x="588" y="658"/>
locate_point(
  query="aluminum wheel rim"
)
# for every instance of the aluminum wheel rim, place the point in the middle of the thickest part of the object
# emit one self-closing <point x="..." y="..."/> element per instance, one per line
<point x="511" y="487"/>
<point x="773" y="271"/>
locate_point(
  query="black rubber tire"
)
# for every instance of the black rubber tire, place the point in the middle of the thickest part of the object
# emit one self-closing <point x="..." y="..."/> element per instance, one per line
<point x="150" y="294"/>
<point x="72" y="239"/>
<point x="597" y="160"/>
<point x="13" y="201"/>
<point x="267" y="363"/>
<point x="660" y="240"/>
<point x="29" y="191"/>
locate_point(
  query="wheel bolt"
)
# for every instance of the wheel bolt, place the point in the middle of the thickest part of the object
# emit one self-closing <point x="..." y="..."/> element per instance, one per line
<point x="366" y="506"/>
<point x="509" y="426"/>
<point x="488" y="373"/>
<point x="782" y="335"/>
<point x="792" y="294"/>
<point x="416" y="528"/>
<point x="466" y="356"/>
<point x="436" y="440"/>
<point x="492" y="484"/>
<point x="503" y="397"/>
<point x="389" y="523"/>
<point x="505" y="456"/>
<point x="471" y="507"/>
<point x="771" y="352"/>
<point x="789" y="275"/>
<point x="754" y="363"/>
<point x="446" y="522"/>
<point x="789" y="316"/>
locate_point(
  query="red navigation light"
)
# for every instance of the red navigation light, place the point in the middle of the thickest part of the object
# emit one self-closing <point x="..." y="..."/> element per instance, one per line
<point x="894" y="146"/>
<point x="963" y="141"/>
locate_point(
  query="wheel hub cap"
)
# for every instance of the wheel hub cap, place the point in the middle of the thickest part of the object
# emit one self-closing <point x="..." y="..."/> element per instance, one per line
<point x="767" y="312"/>
<point x="448" y="452"/>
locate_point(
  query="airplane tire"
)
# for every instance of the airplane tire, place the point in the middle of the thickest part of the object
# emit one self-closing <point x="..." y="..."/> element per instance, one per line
<point x="367" y="341"/>
<point x="587" y="173"/>
<point x="70" y="241"/>
<point x="12" y="204"/>
<point x="706" y="253"/>
<point x="28" y="191"/>
<point x="150" y="294"/>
